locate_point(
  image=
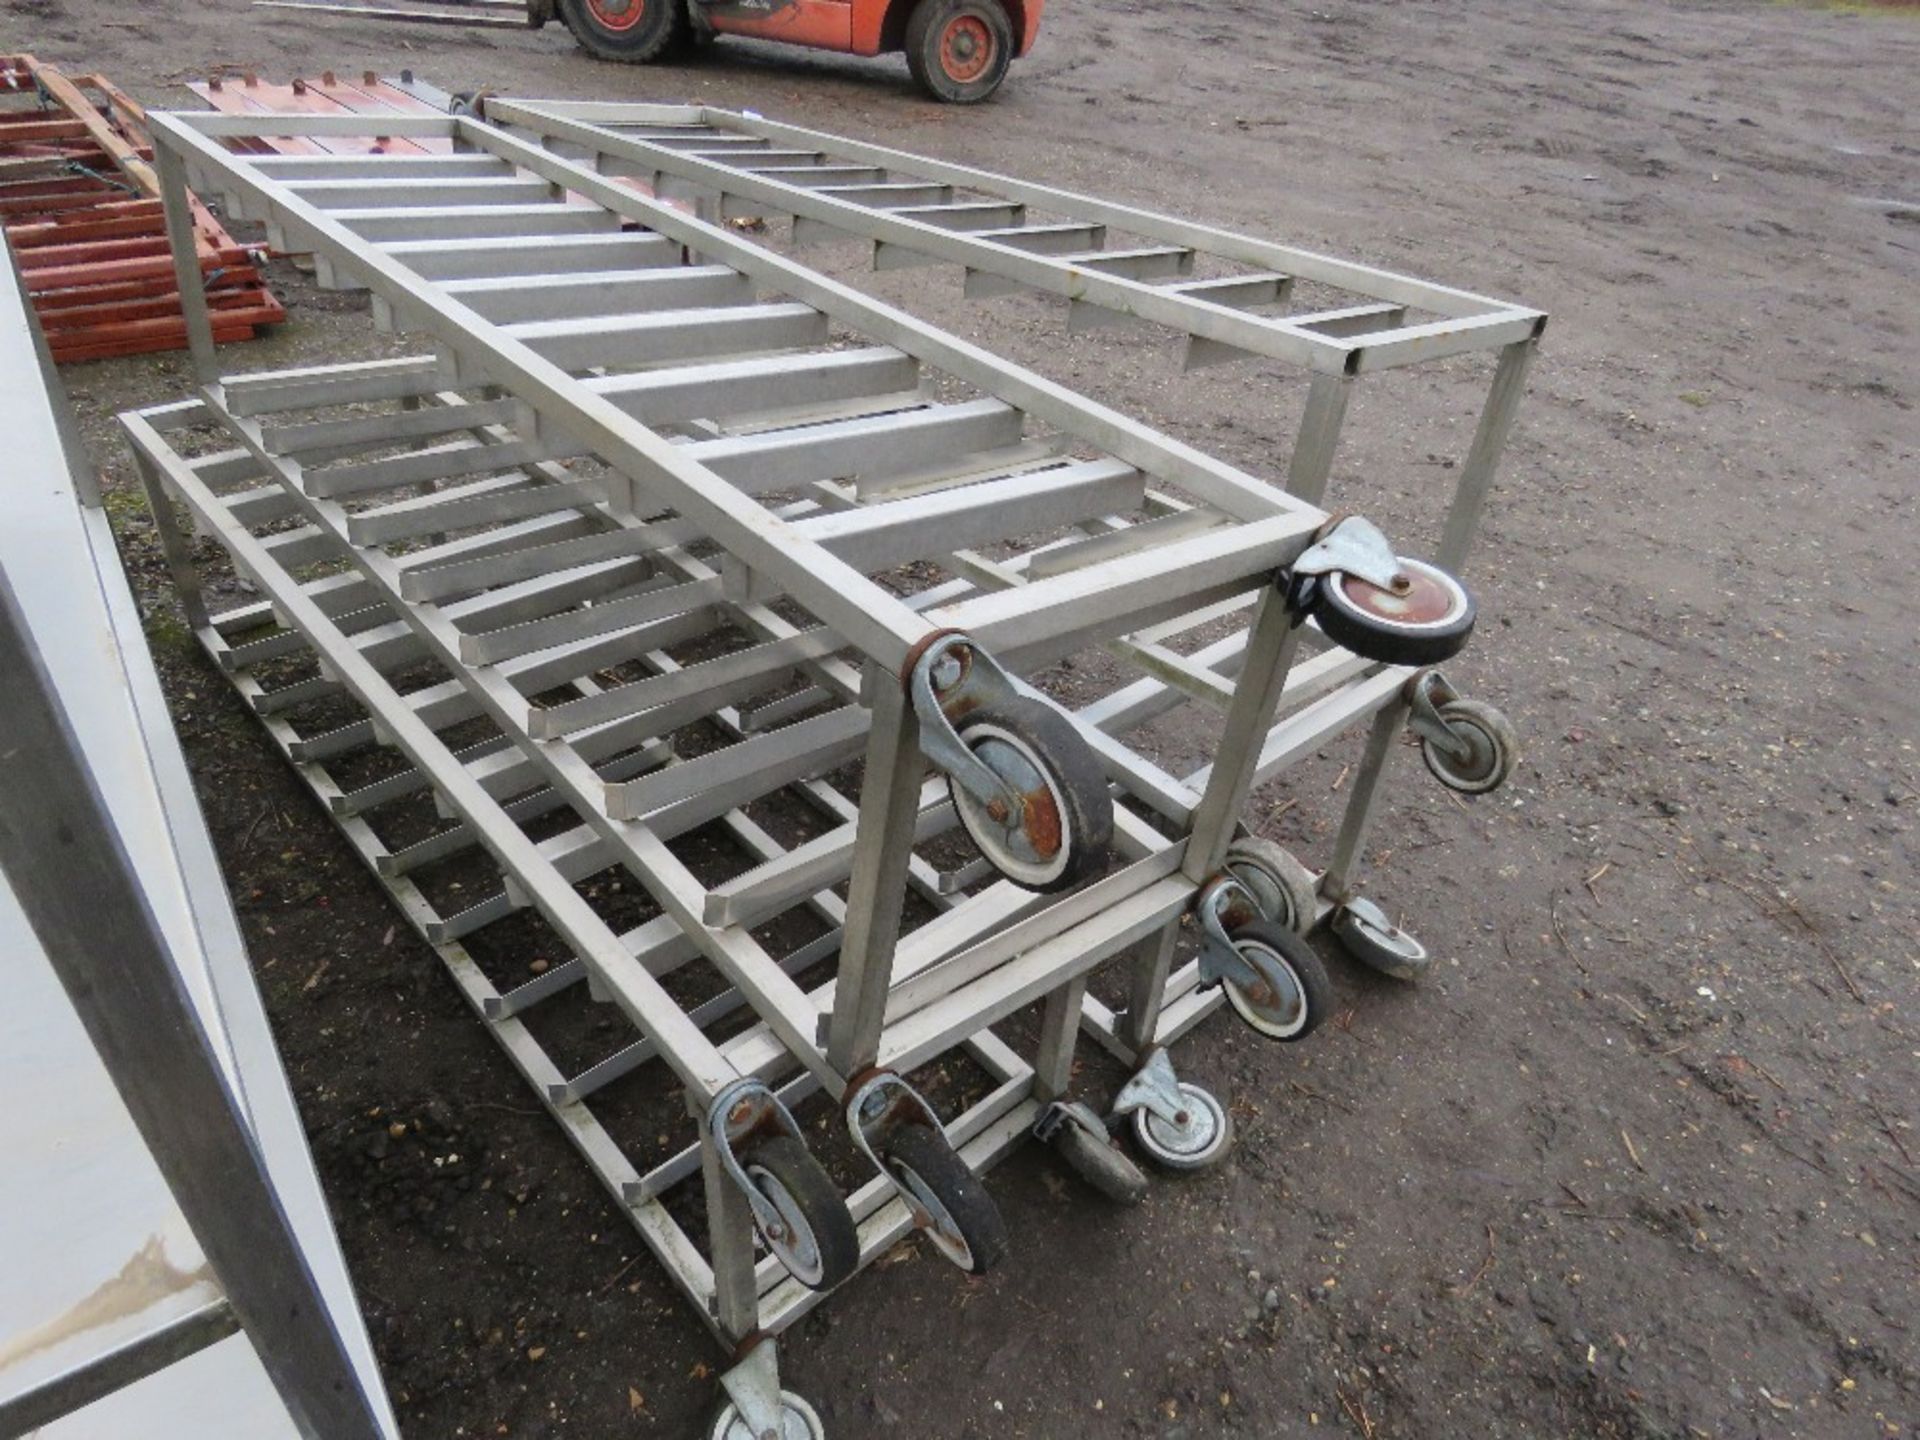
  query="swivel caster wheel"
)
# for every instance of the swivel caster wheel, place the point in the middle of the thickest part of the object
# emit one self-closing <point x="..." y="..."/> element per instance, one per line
<point x="1026" y="786"/>
<point x="1178" y="1125"/>
<point x="1287" y="994"/>
<point x="797" y="1210"/>
<point x="757" y="1408"/>
<point x="949" y="1203"/>
<point x="802" y="1219"/>
<point x="1198" y="1142"/>
<point x="1382" y="606"/>
<point x="798" y="1421"/>
<point x="1083" y="1142"/>
<point x="1426" y="617"/>
<point x="1363" y="928"/>
<point x="1282" y="888"/>
<point x="1482" y="748"/>
<point x="1057" y="835"/>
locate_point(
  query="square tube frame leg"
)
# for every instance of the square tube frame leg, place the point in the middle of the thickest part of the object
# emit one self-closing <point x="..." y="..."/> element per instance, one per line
<point x="1059" y="1031"/>
<point x="1319" y="436"/>
<point x="736" y="1291"/>
<point x="1483" y="457"/>
<point x="877" y="888"/>
<point x="174" y="545"/>
<point x="1271" y="645"/>
<point x="186" y="264"/>
<point x="1154" y="963"/>
<point x="1381" y="741"/>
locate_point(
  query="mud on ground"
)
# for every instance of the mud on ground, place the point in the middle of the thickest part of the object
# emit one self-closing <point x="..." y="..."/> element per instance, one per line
<point x="1640" y="1160"/>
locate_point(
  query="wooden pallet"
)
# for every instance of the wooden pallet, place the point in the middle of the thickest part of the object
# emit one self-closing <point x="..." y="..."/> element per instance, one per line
<point x="80" y="207"/>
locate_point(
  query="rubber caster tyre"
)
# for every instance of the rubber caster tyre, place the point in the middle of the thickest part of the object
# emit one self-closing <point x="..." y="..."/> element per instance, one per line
<point x="1198" y="1144"/>
<point x="959" y="50"/>
<point x="798" y="1421"/>
<point x="1364" y="931"/>
<point x="1282" y="888"/>
<point x="630" y="31"/>
<point x="817" y="1242"/>
<point x="1494" y="748"/>
<point x="963" y="1223"/>
<point x="1427" y="624"/>
<point x="1294" y="994"/>
<point x="1102" y="1164"/>
<point x="1063" y="834"/>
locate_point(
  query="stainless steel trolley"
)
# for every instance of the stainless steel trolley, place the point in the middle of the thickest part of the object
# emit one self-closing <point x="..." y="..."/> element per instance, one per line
<point x="1231" y="297"/>
<point x="671" y="540"/>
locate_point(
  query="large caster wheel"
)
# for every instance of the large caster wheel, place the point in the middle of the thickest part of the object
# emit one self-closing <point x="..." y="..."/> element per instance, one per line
<point x="1363" y="929"/>
<point x="1200" y="1140"/>
<point x="954" y="1209"/>
<point x="1280" y="885"/>
<point x="815" y="1236"/>
<point x="1492" y="748"/>
<point x="1099" y="1162"/>
<point x="798" y="1421"/>
<point x="1423" y="625"/>
<point x="1061" y="835"/>
<point x="959" y="50"/>
<point x="1292" y="994"/>
<point x="632" y="31"/>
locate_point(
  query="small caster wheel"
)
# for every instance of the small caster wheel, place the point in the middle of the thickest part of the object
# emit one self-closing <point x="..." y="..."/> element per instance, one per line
<point x="1200" y="1140"/>
<point x="952" y="1207"/>
<point x="798" y="1421"/>
<point x="1061" y="836"/>
<point x="1280" y="885"/>
<point x="1101" y="1163"/>
<point x="1492" y="748"/>
<point x="1427" y="623"/>
<point x="1372" y="939"/>
<point x="1293" y="994"/>
<point x="815" y="1236"/>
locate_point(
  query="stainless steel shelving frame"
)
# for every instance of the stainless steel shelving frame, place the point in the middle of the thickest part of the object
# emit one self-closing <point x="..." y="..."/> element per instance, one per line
<point x="1231" y="295"/>
<point x="687" y="372"/>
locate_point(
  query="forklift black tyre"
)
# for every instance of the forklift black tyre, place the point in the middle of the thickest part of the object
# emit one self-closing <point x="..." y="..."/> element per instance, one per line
<point x="959" y="50"/>
<point x="630" y="31"/>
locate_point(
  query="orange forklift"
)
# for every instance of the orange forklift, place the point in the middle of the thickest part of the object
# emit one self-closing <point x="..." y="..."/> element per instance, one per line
<point x="958" y="50"/>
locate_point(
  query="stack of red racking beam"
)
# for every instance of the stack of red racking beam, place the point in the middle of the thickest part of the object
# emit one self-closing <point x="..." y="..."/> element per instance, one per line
<point x="81" y="211"/>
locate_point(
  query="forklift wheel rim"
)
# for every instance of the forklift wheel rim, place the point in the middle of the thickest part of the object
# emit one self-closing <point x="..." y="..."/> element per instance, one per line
<point x="617" y="15"/>
<point x="977" y="36"/>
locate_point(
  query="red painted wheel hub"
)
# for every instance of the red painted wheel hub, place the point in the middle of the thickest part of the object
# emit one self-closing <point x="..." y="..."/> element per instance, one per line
<point x="617" y="14"/>
<point x="966" y="48"/>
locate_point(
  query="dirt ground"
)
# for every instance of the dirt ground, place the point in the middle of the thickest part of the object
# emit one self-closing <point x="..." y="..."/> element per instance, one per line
<point x="1640" y="1159"/>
